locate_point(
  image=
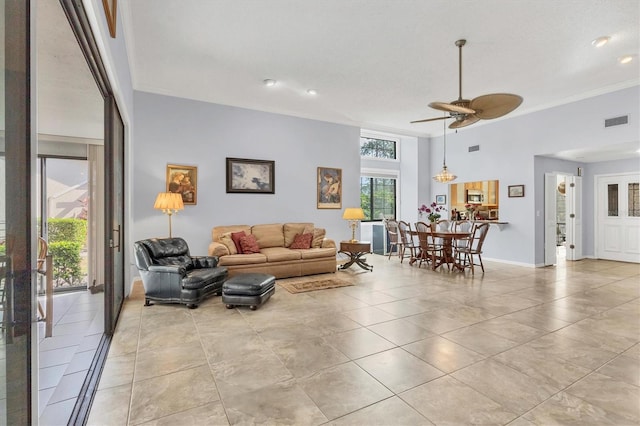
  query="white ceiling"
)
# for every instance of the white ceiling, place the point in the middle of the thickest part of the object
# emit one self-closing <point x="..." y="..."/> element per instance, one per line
<point x="377" y="64"/>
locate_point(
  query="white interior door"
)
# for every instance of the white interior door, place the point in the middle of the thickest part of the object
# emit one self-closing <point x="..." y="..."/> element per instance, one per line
<point x="618" y="217"/>
<point x="573" y="191"/>
<point x="550" y="219"/>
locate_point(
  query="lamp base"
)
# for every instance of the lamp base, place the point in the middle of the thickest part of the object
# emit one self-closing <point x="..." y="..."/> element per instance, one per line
<point x="354" y="225"/>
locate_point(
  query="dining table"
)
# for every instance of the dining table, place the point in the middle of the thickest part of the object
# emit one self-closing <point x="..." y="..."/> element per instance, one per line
<point x="447" y="244"/>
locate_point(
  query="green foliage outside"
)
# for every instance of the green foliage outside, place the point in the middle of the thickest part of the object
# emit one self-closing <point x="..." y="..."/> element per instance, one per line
<point x="66" y="262"/>
<point x="68" y="229"/>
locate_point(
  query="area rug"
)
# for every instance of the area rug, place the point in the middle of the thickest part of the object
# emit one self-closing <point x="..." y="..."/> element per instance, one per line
<point x="304" y="286"/>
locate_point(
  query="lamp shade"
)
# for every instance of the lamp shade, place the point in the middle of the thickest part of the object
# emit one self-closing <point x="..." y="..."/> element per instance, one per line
<point x="167" y="201"/>
<point x="353" y="213"/>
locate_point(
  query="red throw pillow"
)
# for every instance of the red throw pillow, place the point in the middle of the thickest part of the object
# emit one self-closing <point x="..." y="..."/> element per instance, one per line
<point x="302" y="241"/>
<point x="249" y="244"/>
<point x="235" y="236"/>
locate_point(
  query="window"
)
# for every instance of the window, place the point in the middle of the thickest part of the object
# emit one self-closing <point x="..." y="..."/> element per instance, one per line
<point x="378" y="148"/>
<point x="378" y="197"/>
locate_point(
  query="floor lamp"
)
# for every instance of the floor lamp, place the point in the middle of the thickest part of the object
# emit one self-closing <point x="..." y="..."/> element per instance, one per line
<point x="169" y="203"/>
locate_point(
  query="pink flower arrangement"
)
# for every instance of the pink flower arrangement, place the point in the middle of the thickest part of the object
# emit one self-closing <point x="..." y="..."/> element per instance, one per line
<point x="433" y="211"/>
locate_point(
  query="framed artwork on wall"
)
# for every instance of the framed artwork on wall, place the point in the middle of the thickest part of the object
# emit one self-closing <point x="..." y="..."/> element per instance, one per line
<point x="516" y="191"/>
<point x="441" y="200"/>
<point x="250" y="176"/>
<point x="183" y="180"/>
<point x="110" y="12"/>
<point x="329" y="188"/>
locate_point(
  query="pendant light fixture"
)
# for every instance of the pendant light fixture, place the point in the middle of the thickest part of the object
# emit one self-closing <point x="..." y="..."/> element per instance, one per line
<point x="444" y="176"/>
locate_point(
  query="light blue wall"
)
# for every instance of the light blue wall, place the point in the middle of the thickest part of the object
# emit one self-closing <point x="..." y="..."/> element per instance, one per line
<point x="508" y="148"/>
<point x="179" y="131"/>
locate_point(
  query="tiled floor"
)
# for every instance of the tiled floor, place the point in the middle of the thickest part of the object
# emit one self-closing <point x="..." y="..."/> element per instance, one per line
<point x="403" y="346"/>
<point x="64" y="358"/>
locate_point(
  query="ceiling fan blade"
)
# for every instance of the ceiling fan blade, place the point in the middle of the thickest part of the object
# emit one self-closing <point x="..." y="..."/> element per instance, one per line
<point x="444" y="106"/>
<point x="430" y="119"/>
<point x="495" y="105"/>
<point x="469" y="119"/>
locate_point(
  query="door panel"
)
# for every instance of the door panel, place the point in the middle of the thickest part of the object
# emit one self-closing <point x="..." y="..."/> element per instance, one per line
<point x="550" y="219"/>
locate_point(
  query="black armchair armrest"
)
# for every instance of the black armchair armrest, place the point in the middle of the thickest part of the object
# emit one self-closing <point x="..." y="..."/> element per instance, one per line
<point x="171" y="269"/>
<point x="204" y="261"/>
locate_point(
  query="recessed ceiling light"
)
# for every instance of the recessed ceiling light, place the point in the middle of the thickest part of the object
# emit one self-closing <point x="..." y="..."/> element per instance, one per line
<point x="312" y="92"/>
<point x="625" y="59"/>
<point x="269" y="82"/>
<point x="601" y="41"/>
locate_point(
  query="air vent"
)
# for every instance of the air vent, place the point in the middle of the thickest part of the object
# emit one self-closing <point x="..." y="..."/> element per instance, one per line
<point x="616" y="121"/>
<point x="474" y="148"/>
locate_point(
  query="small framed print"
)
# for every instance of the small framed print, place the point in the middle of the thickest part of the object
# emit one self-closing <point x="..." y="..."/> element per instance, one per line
<point x="329" y="188"/>
<point x="441" y="200"/>
<point x="250" y="176"/>
<point x="516" y="191"/>
<point x="184" y="181"/>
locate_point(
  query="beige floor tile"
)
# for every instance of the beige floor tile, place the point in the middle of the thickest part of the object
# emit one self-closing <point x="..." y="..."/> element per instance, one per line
<point x="347" y="382"/>
<point x="400" y="331"/>
<point x="480" y="341"/>
<point x="369" y="315"/>
<point x="444" y="354"/>
<point x="110" y="406"/>
<point x="211" y="414"/>
<point x="358" y="343"/>
<point x="566" y="409"/>
<point x="172" y="393"/>
<point x="510" y="329"/>
<point x="623" y="368"/>
<point x="447" y="401"/>
<point x="556" y="345"/>
<point x="398" y="370"/>
<point x="392" y="411"/>
<point x="308" y="356"/>
<point x="118" y="370"/>
<point x="158" y="362"/>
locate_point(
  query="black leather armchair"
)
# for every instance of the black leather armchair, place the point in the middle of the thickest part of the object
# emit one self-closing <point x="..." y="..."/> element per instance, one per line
<point x="170" y="275"/>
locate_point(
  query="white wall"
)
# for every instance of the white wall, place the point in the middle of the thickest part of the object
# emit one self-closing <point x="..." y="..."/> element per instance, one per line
<point x="180" y="131"/>
<point x="507" y="151"/>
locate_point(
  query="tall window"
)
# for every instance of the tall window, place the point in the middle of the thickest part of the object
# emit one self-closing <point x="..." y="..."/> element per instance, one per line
<point x="378" y="197"/>
<point x="378" y="148"/>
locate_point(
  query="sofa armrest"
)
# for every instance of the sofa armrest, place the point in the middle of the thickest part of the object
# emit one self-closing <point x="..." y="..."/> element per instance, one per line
<point x="170" y="269"/>
<point x="218" y="249"/>
<point x="200" y="262"/>
<point x="328" y="243"/>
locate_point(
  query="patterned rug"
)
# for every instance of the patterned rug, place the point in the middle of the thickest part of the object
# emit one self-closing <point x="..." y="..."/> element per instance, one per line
<point x="304" y="286"/>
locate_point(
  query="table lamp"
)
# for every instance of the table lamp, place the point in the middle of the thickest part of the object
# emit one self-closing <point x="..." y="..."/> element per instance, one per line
<point x="169" y="203"/>
<point x="353" y="215"/>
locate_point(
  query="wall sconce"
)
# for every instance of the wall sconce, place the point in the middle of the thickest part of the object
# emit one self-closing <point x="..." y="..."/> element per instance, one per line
<point x="353" y="215"/>
<point x="169" y="203"/>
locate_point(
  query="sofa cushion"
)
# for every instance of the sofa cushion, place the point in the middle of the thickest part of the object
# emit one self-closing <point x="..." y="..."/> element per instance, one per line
<point x="316" y="253"/>
<point x="249" y="244"/>
<point x="292" y="229"/>
<point x="228" y="242"/>
<point x="302" y="241"/>
<point x="242" y="259"/>
<point x="318" y="236"/>
<point x="280" y="254"/>
<point x="269" y="235"/>
<point x="236" y="236"/>
<point x="218" y="231"/>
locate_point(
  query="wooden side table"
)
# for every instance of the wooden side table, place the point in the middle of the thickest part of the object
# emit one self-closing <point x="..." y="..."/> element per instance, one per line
<point x="356" y="251"/>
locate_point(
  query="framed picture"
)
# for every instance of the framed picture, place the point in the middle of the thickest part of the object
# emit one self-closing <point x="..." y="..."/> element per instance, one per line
<point x="516" y="190"/>
<point x="183" y="180"/>
<point x="329" y="189"/>
<point x="110" y="12"/>
<point x="441" y="200"/>
<point x="250" y="176"/>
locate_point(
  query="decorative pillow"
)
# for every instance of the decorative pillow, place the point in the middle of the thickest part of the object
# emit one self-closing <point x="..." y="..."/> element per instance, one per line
<point x="318" y="237"/>
<point x="228" y="242"/>
<point x="302" y="241"/>
<point x="235" y="236"/>
<point x="249" y="244"/>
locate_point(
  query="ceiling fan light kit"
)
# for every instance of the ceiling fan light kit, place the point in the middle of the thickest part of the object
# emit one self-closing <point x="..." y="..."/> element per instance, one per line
<point x="444" y="176"/>
<point x="465" y="111"/>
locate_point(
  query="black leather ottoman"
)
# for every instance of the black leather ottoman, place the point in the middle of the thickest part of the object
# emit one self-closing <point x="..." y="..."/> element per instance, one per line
<point x="248" y="290"/>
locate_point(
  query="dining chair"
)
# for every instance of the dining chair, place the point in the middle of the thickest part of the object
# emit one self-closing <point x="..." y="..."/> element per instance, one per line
<point x="461" y="226"/>
<point x="393" y="238"/>
<point x="466" y="255"/>
<point x="406" y="240"/>
<point x="431" y="248"/>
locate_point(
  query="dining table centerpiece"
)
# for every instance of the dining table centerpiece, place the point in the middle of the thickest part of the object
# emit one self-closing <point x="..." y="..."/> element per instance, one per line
<point x="432" y="211"/>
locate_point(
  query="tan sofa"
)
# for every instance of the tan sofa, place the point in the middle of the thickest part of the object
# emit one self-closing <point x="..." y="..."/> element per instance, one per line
<point x="275" y="257"/>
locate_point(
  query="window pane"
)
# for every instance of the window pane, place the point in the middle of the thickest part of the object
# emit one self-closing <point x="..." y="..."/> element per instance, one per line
<point x="634" y="199"/>
<point x="612" y="200"/>
<point x="377" y="148"/>
<point x="378" y="197"/>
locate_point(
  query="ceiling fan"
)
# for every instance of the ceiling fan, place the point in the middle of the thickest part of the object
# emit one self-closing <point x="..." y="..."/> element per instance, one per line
<point x="465" y="111"/>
